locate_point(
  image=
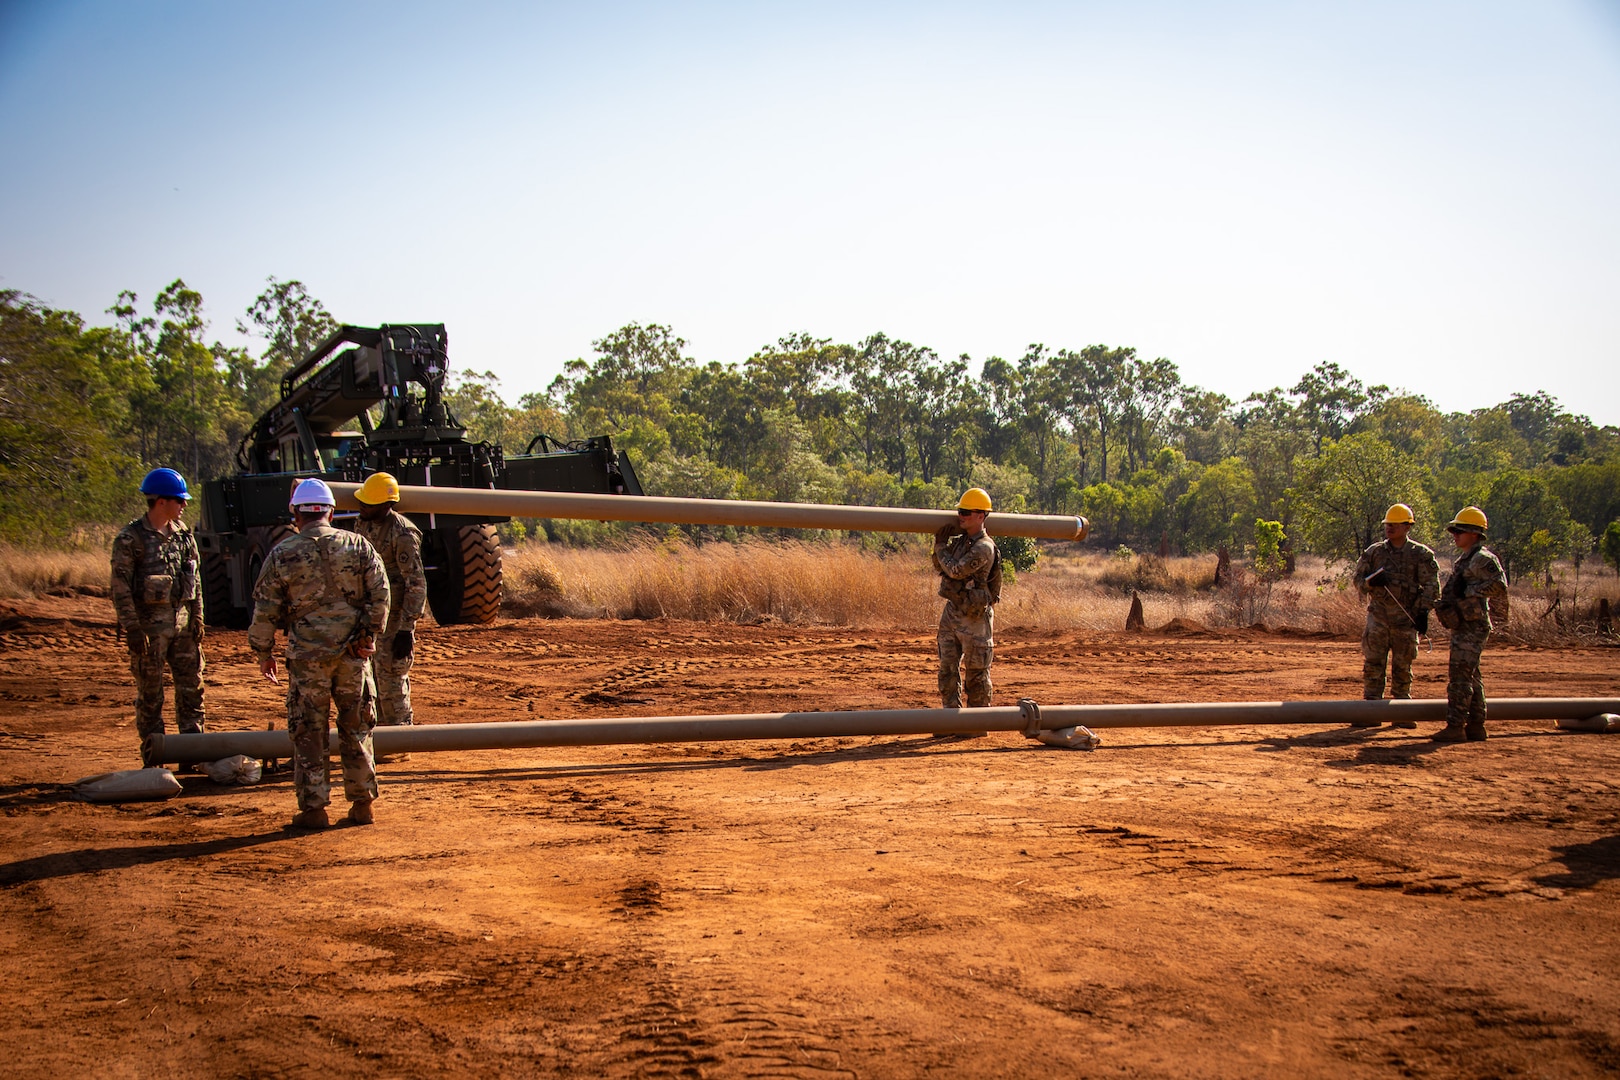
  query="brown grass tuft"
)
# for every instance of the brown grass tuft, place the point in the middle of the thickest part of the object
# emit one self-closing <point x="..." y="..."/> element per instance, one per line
<point x="30" y="572"/>
<point x="532" y="584"/>
<point x="752" y="581"/>
<point x="1179" y="576"/>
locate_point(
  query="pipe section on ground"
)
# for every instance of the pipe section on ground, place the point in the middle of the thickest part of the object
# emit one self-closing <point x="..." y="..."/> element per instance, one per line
<point x="1027" y="718"/>
<point x="773" y="515"/>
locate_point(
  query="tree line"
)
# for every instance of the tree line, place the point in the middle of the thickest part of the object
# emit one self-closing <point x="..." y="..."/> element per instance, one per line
<point x="1098" y="430"/>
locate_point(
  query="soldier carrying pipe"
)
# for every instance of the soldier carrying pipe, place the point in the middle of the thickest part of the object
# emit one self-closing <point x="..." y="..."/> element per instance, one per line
<point x="969" y="569"/>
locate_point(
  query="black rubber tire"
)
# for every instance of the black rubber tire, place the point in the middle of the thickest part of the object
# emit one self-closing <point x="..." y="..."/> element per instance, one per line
<point x="258" y="553"/>
<point x="480" y="574"/>
<point x="216" y="590"/>
<point x="468" y="587"/>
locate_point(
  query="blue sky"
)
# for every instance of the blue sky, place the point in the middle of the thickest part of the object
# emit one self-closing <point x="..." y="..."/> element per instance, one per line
<point x="1425" y="193"/>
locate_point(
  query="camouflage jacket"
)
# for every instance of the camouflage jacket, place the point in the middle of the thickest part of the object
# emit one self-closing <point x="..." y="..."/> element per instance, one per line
<point x="399" y="544"/>
<point x="325" y="587"/>
<point x="1477" y="590"/>
<point x="969" y="572"/>
<point x="1410" y="573"/>
<point x="152" y="570"/>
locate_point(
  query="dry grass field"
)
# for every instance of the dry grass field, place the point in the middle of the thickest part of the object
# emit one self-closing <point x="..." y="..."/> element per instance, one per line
<point x="840" y="584"/>
<point x="1071" y="587"/>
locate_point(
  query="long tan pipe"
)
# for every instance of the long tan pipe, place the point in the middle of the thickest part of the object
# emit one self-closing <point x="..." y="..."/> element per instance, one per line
<point x="773" y="515"/>
<point x="1028" y="718"/>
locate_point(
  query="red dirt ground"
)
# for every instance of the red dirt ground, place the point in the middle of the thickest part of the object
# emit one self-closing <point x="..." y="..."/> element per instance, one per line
<point x="1216" y="902"/>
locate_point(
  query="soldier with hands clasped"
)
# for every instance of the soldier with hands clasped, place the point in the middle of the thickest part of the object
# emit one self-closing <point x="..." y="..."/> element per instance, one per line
<point x="157" y="597"/>
<point x="327" y="589"/>
<point x="398" y="543"/>
<point x="1473" y="602"/>
<point x="1400" y="579"/>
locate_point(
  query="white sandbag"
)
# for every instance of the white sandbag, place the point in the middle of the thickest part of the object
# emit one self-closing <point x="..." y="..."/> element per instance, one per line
<point x="128" y="785"/>
<point x="1070" y="738"/>
<point x="236" y="769"/>
<point x="1602" y="722"/>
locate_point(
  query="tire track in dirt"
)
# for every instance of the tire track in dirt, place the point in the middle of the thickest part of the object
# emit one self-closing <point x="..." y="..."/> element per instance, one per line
<point x="830" y="659"/>
<point x="1421" y="1028"/>
<point x="719" y="1026"/>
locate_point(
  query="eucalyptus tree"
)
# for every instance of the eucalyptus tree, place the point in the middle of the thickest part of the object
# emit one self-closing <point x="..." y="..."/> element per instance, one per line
<point x="1521" y="505"/>
<point x="1096" y="383"/>
<point x="1273" y="439"/>
<point x="1149" y="390"/>
<point x="1330" y="400"/>
<point x="631" y="390"/>
<point x="187" y="415"/>
<point x="61" y="407"/>
<point x="292" y="323"/>
<point x="1340" y="497"/>
<point x="1203" y="425"/>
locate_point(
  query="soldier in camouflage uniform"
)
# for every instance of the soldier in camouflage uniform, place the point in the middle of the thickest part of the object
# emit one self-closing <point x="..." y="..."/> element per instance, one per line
<point x="399" y="544"/>
<point x="328" y="590"/>
<point x="969" y="569"/>
<point x="156" y="596"/>
<point x="1473" y="601"/>
<point x="1400" y="579"/>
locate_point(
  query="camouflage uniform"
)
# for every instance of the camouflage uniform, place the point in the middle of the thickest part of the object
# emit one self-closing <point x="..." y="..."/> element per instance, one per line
<point x="399" y="544"/>
<point x="1477" y="592"/>
<point x="1410" y="582"/>
<point x="155" y="593"/>
<point x="970" y="581"/>
<point x="326" y="588"/>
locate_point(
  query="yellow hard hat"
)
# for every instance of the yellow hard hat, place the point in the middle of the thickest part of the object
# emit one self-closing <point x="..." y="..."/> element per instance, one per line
<point x="1469" y="519"/>
<point x="974" y="499"/>
<point x="1399" y="514"/>
<point x="379" y="487"/>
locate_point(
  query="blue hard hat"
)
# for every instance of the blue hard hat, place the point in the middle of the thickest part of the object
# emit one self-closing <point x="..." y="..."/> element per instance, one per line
<point x="165" y="484"/>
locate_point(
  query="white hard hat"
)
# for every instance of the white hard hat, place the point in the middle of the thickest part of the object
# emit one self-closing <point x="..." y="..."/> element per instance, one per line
<point x="312" y="496"/>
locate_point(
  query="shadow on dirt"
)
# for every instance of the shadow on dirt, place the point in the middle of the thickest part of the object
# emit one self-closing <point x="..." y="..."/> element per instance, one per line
<point x="1412" y="751"/>
<point x="913" y="748"/>
<point x="1337" y="736"/>
<point x="1585" y="865"/>
<point x="28" y="796"/>
<point x="1410" y="747"/>
<point x="92" y="860"/>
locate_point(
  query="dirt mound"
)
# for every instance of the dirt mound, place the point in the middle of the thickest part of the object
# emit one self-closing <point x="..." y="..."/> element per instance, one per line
<point x="1179" y="625"/>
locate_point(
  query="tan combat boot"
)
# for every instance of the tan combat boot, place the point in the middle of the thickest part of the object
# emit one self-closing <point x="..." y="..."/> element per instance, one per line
<point x="1450" y="733"/>
<point x="360" y="812"/>
<point x="1475" y="732"/>
<point x="311" y="819"/>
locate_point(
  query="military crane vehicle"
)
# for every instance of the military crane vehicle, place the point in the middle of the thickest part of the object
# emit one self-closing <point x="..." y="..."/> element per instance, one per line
<point x="371" y="399"/>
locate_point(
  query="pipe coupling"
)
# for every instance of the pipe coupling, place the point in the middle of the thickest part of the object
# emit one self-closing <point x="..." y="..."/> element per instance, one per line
<point x="1031" y="714"/>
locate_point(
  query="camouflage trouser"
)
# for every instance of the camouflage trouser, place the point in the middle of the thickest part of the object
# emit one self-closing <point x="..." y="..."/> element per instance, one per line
<point x="966" y="647"/>
<point x="1398" y="645"/>
<point x="1465" y="690"/>
<point x="169" y="643"/>
<point x="393" y="683"/>
<point x="312" y="687"/>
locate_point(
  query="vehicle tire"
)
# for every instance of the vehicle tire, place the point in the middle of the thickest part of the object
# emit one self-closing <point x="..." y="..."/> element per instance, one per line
<point x="467" y="588"/>
<point x="216" y="590"/>
<point x="263" y="542"/>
